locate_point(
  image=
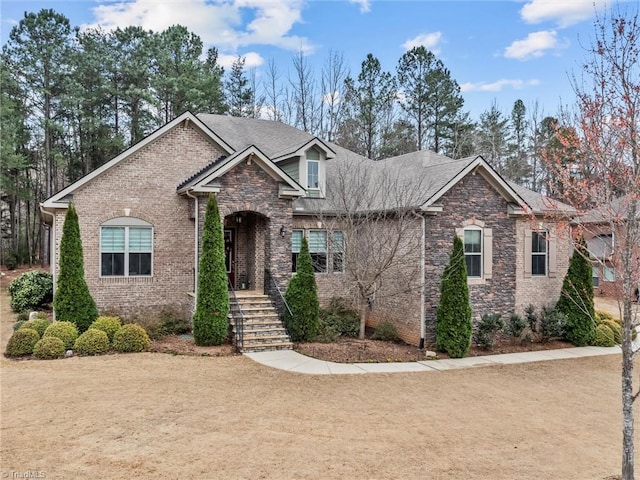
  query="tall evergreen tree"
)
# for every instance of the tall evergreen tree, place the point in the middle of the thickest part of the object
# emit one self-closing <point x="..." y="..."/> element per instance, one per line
<point x="430" y="97"/>
<point x="210" y="324"/>
<point x="368" y="100"/>
<point x="72" y="301"/>
<point x="303" y="324"/>
<point x="238" y="91"/>
<point x="576" y="298"/>
<point x="493" y="138"/>
<point x="517" y="168"/>
<point x="453" y="317"/>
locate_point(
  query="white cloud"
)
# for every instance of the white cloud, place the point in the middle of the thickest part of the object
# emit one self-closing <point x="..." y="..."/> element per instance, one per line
<point x="365" y="5"/>
<point x="427" y="40"/>
<point x="222" y="24"/>
<point x="535" y="45"/>
<point x="251" y="60"/>
<point x="564" y="13"/>
<point x="498" y="85"/>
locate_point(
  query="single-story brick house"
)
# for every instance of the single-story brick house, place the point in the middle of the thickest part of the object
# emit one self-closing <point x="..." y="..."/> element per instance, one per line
<point x="141" y="217"/>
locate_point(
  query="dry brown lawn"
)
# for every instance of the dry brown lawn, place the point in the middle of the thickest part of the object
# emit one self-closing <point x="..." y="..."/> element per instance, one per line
<point x="159" y="416"/>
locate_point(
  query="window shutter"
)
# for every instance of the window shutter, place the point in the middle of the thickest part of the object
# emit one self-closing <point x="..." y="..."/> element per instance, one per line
<point x="527" y="253"/>
<point x="553" y="269"/>
<point x="488" y="253"/>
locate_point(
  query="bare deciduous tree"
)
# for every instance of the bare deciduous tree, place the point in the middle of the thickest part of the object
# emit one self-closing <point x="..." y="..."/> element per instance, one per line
<point x="376" y="205"/>
<point x="607" y="178"/>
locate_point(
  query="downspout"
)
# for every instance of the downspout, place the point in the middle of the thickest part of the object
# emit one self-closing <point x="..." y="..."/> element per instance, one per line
<point x="52" y="251"/>
<point x="196" y="245"/>
<point x="423" y="325"/>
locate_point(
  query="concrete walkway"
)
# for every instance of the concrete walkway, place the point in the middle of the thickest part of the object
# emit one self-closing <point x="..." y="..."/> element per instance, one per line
<point x="295" y="362"/>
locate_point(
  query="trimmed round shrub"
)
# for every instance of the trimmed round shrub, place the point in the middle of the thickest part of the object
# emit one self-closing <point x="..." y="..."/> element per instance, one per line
<point x="22" y="342"/>
<point x="31" y="290"/>
<point x="616" y="329"/>
<point x="48" y="348"/>
<point x="38" y="324"/>
<point x="131" y="338"/>
<point x="92" y="342"/>
<point x="604" y="336"/>
<point x="65" y="331"/>
<point x="109" y="325"/>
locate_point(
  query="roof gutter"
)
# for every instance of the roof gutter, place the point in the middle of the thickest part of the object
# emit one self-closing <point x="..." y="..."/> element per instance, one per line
<point x="52" y="249"/>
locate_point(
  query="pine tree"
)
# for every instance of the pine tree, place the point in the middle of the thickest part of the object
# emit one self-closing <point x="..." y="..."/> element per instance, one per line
<point x="576" y="298"/>
<point x="72" y="301"/>
<point x="453" y="318"/>
<point x="210" y="324"/>
<point x="302" y="298"/>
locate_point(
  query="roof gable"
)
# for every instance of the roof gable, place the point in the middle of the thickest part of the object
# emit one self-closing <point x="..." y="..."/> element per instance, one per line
<point x="204" y="180"/>
<point x="60" y="199"/>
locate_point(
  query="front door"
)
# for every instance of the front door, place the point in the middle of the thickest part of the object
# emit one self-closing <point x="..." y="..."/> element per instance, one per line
<point x="230" y="254"/>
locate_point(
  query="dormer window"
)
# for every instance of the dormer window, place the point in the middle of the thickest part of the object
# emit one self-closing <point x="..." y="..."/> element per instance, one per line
<point x="313" y="172"/>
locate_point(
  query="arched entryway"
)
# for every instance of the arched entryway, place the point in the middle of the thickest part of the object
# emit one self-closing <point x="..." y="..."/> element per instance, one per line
<point x="246" y="249"/>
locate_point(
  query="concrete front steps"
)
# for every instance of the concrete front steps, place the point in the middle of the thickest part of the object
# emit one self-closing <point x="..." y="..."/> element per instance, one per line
<point x="262" y="329"/>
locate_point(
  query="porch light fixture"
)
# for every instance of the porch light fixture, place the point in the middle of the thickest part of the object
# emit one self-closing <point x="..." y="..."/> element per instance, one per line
<point x="238" y="218"/>
<point x="282" y="231"/>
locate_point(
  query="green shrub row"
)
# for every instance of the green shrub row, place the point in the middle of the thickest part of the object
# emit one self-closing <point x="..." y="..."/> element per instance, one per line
<point x="51" y="340"/>
<point x="31" y="290"/>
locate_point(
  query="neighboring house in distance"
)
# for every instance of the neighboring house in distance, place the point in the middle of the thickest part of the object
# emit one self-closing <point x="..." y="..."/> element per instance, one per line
<point x="141" y="217"/>
<point x="605" y="233"/>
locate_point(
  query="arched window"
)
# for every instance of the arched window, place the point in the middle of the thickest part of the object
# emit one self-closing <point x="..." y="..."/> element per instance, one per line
<point x="478" y="249"/>
<point x="126" y="248"/>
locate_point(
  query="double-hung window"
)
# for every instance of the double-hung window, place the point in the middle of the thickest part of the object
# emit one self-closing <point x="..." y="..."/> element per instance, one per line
<point x="538" y="253"/>
<point x="337" y="251"/>
<point x="473" y="252"/>
<point x="318" y="250"/>
<point x="296" y="244"/>
<point x="126" y="249"/>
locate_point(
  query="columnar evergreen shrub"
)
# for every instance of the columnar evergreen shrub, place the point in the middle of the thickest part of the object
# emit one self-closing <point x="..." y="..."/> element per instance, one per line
<point x="576" y="298"/>
<point x="303" y="324"/>
<point x="453" y="318"/>
<point x="92" y="342"/>
<point x="109" y="325"/>
<point x="22" y="342"/>
<point x="131" y="338"/>
<point x="72" y="301"/>
<point x="31" y="290"/>
<point x="48" y="348"/>
<point x="40" y="325"/>
<point x="65" y="331"/>
<point x="210" y="324"/>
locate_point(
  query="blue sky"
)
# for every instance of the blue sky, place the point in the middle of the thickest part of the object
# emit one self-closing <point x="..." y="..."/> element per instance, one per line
<point x="496" y="50"/>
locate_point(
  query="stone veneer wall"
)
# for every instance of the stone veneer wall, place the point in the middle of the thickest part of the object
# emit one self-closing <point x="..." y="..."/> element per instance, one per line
<point x="472" y="198"/>
<point x="146" y="184"/>
<point x="248" y="188"/>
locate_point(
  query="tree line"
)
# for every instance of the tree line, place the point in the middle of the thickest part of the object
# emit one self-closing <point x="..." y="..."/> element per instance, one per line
<point x="73" y="99"/>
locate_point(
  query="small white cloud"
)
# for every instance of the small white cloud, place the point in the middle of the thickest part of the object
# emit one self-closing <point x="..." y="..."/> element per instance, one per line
<point x="251" y="60"/>
<point x="365" y="5"/>
<point x="564" y="13"/>
<point x="427" y="40"/>
<point x="499" y="85"/>
<point x="535" y="45"/>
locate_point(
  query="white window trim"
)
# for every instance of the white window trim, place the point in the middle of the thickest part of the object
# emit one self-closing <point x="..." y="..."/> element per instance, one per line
<point x="328" y="252"/>
<point x="486" y="250"/>
<point x="126" y="223"/>
<point x="539" y="254"/>
<point x="551" y="254"/>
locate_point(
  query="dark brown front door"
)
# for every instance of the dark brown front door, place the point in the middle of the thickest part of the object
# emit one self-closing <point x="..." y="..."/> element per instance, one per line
<point x="230" y="254"/>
